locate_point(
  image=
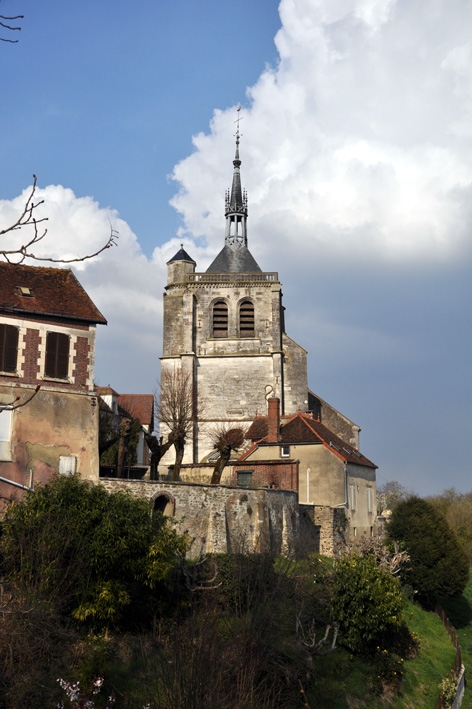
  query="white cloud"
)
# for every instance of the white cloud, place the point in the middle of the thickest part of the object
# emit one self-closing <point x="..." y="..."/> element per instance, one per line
<point x="363" y="126"/>
<point x="122" y="282"/>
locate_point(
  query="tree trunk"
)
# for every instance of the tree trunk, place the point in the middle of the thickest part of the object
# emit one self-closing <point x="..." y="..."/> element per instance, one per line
<point x="179" y="446"/>
<point x="125" y="426"/>
<point x="158" y="449"/>
<point x="220" y="465"/>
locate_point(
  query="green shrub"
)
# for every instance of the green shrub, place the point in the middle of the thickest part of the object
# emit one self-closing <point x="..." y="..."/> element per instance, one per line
<point x="367" y="602"/>
<point x="438" y="564"/>
<point x="89" y="553"/>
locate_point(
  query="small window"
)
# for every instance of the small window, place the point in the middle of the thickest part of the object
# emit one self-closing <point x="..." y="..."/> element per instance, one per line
<point x="285" y="451"/>
<point x="5" y="435"/>
<point x="220" y="319"/>
<point x="245" y="478"/>
<point x="25" y="292"/>
<point x="352" y="496"/>
<point x="8" y="348"/>
<point x="246" y="319"/>
<point x="57" y="355"/>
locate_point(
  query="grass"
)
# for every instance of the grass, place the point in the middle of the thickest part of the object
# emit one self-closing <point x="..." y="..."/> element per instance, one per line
<point x="343" y="681"/>
<point x="459" y="611"/>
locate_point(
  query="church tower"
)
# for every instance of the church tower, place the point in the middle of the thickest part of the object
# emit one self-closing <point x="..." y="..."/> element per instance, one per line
<point x="224" y="330"/>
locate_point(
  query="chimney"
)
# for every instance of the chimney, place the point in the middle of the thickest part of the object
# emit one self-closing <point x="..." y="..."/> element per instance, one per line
<point x="273" y="419"/>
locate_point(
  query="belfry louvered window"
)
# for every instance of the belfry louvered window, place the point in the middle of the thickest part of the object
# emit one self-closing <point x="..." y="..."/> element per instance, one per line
<point x="220" y="319"/>
<point x="8" y="348"/>
<point x="246" y="319"/>
<point x="57" y="355"/>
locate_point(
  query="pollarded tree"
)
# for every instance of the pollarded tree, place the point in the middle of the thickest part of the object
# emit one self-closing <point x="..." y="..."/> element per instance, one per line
<point x="439" y="566"/>
<point x="226" y="438"/>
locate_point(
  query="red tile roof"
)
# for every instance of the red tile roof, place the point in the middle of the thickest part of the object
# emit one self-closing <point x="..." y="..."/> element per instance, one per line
<point x="140" y="406"/>
<point x="302" y="428"/>
<point x="54" y="291"/>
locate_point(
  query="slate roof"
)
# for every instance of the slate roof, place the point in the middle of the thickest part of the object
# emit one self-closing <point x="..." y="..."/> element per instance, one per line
<point x="140" y="406"/>
<point x="239" y="261"/>
<point x="54" y="292"/>
<point x="304" y="429"/>
<point x="181" y="255"/>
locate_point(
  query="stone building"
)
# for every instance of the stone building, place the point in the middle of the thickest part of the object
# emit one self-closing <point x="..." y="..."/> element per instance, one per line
<point x="331" y="474"/>
<point x="47" y="339"/>
<point x="224" y="330"/>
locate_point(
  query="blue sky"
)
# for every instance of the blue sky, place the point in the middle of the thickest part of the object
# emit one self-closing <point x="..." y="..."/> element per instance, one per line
<point x="356" y="153"/>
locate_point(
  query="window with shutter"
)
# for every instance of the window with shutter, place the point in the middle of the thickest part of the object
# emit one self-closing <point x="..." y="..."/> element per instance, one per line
<point x="57" y="355"/>
<point x="8" y="348"/>
<point x="246" y="319"/>
<point x="220" y="319"/>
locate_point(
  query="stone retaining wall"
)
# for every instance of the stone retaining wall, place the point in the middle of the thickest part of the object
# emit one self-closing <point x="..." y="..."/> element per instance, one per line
<point x="222" y="519"/>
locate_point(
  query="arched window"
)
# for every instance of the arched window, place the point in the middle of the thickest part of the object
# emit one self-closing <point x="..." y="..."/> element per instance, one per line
<point x="220" y="319"/>
<point x="246" y="319"/>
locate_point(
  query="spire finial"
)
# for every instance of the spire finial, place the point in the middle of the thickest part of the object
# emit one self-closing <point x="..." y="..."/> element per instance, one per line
<point x="238" y="134"/>
<point x="236" y="200"/>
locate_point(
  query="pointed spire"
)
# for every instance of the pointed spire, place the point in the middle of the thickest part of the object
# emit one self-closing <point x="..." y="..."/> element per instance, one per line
<point x="236" y="202"/>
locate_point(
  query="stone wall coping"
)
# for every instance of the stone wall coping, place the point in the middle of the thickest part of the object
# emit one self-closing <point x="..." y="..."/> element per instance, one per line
<point x="181" y="483"/>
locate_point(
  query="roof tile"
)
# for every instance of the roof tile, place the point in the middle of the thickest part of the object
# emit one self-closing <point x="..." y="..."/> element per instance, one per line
<point x="54" y="291"/>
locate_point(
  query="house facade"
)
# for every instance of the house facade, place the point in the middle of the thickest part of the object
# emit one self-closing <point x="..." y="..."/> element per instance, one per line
<point x="331" y="473"/>
<point x="47" y="345"/>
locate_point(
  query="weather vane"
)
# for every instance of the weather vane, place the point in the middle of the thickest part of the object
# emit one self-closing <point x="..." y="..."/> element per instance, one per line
<point x="239" y="118"/>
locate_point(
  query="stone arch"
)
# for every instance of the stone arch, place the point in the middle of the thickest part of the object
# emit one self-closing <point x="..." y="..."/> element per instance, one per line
<point x="164" y="502"/>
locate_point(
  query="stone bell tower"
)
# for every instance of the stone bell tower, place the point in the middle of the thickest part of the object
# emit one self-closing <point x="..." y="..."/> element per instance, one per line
<point x="224" y="329"/>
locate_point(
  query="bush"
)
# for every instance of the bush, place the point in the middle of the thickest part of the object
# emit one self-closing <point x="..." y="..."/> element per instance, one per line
<point x="438" y="564"/>
<point x="89" y="553"/>
<point x="367" y="602"/>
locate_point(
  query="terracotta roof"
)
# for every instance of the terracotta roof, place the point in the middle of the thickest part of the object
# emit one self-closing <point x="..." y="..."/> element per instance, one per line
<point x="104" y="391"/>
<point x="49" y="291"/>
<point x="301" y="428"/>
<point x="140" y="406"/>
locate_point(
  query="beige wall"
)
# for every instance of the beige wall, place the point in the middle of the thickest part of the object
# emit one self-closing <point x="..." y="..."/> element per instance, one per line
<point x="54" y="423"/>
<point x="325" y="480"/>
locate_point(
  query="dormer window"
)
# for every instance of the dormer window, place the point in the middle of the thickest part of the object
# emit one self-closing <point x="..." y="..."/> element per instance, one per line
<point x="246" y="319"/>
<point x="25" y="292"/>
<point x="220" y="319"/>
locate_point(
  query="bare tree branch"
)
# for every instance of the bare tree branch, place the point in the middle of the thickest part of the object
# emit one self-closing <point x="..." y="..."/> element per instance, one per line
<point x="309" y="641"/>
<point x="9" y="27"/>
<point x="27" y="219"/>
<point x="196" y="577"/>
<point x="178" y="410"/>
<point x="13" y="405"/>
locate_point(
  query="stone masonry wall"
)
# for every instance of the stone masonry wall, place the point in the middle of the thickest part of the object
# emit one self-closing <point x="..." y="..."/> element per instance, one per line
<point x="222" y="519"/>
<point x="322" y="528"/>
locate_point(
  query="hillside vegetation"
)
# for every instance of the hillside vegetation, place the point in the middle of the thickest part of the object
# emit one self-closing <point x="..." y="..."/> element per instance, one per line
<point x="98" y="595"/>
